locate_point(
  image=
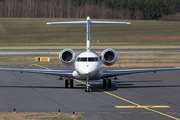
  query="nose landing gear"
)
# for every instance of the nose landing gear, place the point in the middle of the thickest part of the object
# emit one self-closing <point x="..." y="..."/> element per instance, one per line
<point x="87" y="88"/>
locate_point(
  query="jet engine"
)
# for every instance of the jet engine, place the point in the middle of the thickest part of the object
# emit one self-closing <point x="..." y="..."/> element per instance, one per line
<point x="109" y="57"/>
<point x="67" y="56"/>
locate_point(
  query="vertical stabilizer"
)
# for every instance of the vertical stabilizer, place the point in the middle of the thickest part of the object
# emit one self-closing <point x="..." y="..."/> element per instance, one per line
<point x="88" y="42"/>
<point x="88" y="23"/>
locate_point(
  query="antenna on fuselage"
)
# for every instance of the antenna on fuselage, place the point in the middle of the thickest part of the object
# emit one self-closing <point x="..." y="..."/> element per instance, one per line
<point x="88" y="23"/>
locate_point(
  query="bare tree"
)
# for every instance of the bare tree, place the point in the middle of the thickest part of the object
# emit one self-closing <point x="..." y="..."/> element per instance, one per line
<point x="9" y="7"/>
<point x="28" y="8"/>
<point x="60" y="5"/>
<point x="2" y="9"/>
<point x="138" y="15"/>
<point x="69" y="6"/>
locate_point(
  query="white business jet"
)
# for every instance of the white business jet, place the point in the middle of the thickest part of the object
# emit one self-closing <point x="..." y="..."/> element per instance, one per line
<point x="88" y="64"/>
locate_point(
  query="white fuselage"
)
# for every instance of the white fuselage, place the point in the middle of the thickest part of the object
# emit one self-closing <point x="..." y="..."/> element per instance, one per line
<point x="87" y="64"/>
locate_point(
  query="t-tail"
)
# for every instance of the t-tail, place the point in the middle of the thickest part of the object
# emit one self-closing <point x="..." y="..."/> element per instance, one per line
<point x="88" y="23"/>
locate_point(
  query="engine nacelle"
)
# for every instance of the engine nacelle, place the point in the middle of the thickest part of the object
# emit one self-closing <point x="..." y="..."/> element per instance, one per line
<point x="67" y="56"/>
<point x="109" y="57"/>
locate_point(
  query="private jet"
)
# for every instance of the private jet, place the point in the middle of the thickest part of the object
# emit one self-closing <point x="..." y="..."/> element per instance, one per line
<point x="88" y="64"/>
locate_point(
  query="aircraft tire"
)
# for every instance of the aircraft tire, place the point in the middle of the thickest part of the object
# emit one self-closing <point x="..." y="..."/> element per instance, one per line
<point x="72" y="83"/>
<point x="66" y="83"/>
<point x="104" y="83"/>
<point x="109" y="83"/>
<point x="87" y="89"/>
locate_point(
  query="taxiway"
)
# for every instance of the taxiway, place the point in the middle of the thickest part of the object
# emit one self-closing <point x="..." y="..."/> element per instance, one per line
<point x="54" y="51"/>
<point x="151" y="96"/>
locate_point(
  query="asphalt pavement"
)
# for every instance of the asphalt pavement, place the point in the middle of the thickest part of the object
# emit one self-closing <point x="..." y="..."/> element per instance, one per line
<point x="150" y="96"/>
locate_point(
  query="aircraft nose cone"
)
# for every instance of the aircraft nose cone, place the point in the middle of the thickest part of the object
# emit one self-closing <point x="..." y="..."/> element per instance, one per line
<point x="90" y="71"/>
<point x="86" y="71"/>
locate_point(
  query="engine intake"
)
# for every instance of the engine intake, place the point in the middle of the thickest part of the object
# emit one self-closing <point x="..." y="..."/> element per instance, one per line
<point x="109" y="57"/>
<point x="67" y="56"/>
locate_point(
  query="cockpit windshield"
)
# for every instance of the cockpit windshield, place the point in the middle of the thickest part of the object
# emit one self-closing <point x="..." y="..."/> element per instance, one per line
<point x="89" y="59"/>
<point x="83" y="59"/>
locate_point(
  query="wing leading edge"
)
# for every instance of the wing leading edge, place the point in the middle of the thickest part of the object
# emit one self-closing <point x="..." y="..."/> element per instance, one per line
<point x="63" y="73"/>
<point x="111" y="73"/>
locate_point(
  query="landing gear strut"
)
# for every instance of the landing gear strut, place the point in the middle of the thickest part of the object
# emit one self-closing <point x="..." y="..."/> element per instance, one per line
<point x="87" y="88"/>
<point x="69" y="82"/>
<point x="106" y="82"/>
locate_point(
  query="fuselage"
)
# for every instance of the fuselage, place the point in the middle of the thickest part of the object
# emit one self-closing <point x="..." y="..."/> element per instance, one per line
<point x="87" y="64"/>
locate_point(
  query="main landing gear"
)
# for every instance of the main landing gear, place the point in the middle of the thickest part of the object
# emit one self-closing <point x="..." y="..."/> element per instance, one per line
<point x="106" y="82"/>
<point x="69" y="82"/>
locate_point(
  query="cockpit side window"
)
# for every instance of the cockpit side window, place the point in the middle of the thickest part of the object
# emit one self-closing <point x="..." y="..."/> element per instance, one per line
<point x="96" y="59"/>
<point x="78" y="59"/>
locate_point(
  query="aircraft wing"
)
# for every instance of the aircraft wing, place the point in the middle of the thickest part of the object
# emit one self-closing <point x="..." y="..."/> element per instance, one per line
<point x="111" y="73"/>
<point x="62" y="73"/>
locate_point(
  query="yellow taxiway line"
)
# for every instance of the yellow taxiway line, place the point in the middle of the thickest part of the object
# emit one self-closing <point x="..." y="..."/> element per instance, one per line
<point x="135" y="104"/>
<point x="145" y="106"/>
<point x="41" y="66"/>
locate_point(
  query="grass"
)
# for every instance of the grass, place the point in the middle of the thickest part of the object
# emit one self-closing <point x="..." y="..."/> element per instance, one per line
<point x="34" y="33"/>
<point x="27" y="58"/>
<point x="38" y="116"/>
<point x="167" y="59"/>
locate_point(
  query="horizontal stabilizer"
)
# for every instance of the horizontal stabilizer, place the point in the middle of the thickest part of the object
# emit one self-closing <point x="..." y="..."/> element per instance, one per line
<point x="73" y="22"/>
<point x="108" y="22"/>
<point x="88" y="22"/>
<point x="85" y="22"/>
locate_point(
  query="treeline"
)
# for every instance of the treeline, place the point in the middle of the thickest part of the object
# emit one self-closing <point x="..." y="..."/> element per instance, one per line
<point x="110" y="9"/>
